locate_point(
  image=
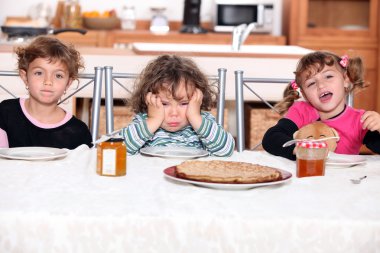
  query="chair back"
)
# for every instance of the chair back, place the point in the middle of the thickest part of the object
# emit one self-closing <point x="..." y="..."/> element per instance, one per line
<point x="111" y="77"/>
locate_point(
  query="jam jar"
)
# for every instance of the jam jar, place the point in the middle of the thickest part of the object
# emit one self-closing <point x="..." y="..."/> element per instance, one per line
<point x="112" y="158"/>
<point x="311" y="158"/>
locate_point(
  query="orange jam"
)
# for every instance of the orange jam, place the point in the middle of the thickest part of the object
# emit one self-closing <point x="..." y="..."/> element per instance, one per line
<point x="308" y="168"/>
<point x="311" y="158"/>
<point x="112" y="158"/>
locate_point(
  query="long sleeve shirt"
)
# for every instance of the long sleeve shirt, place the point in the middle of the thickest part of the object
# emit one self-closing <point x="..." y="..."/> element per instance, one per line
<point x="210" y="136"/>
<point x="347" y="124"/>
<point x="19" y="129"/>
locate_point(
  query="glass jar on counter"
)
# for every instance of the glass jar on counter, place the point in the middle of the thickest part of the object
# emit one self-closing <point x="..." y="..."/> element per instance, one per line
<point x="112" y="158"/>
<point x="128" y="18"/>
<point x="72" y="16"/>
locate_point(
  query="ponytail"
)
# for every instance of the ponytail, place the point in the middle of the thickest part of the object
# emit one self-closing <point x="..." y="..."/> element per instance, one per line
<point x="355" y="71"/>
<point x="290" y="95"/>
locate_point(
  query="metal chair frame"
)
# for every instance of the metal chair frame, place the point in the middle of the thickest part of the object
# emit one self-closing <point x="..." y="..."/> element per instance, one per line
<point x="111" y="77"/>
<point x="241" y="81"/>
<point x="95" y="78"/>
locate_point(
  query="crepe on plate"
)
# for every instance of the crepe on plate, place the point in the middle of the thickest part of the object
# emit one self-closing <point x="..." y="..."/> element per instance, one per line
<point x="227" y="172"/>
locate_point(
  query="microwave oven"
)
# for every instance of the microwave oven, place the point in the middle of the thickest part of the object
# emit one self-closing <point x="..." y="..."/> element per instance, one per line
<point x="266" y="14"/>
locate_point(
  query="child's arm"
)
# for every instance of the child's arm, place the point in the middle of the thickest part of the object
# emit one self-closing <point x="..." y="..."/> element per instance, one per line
<point x="136" y="134"/>
<point x="3" y="139"/>
<point x="213" y="136"/>
<point x="371" y="121"/>
<point x="277" y="135"/>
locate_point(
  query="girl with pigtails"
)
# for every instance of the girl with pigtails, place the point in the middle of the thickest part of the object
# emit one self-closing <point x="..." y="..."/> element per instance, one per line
<point x="323" y="80"/>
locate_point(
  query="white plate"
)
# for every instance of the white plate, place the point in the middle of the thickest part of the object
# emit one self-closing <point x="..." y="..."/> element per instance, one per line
<point x="170" y="173"/>
<point x="33" y="153"/>
<point x="339" y="160"/>
<point x="174" y="152"/>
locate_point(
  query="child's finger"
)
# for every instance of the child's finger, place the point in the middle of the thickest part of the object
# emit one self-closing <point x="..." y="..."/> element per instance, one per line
<point x="148" y="98"/>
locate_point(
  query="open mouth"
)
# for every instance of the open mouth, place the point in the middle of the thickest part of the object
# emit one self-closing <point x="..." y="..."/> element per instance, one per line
<point x="325" y="96"/>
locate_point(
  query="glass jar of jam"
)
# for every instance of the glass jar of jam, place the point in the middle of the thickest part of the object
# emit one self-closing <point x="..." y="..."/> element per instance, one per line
<point x="112" y="158"/>
<point x="311" y="158"/>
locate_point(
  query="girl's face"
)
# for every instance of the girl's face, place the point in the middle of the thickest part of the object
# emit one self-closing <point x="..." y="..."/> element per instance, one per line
<point x="326" y="91"/>
<point x="46" y="80"/>
<point x="175" y="110"/>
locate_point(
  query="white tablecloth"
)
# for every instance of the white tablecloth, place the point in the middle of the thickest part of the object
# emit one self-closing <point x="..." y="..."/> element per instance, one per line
<point x="64" y="206"/>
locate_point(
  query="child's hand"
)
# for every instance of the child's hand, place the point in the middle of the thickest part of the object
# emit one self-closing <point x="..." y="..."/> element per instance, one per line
<point x="156" y="112"/>
<point x="193" y="112"/>
<point x="371" y="121"/>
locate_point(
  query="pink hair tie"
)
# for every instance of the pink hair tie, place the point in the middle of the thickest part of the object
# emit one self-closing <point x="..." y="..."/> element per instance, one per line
<point x="344" y="61"/>
<point x="294" y="85"/>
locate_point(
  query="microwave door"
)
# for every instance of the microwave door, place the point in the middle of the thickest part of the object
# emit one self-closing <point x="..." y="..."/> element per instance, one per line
<point x="234" y="15"/>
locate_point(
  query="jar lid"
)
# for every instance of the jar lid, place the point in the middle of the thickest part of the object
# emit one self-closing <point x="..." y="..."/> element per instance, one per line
<point x="312" y="144"/>
<point x="115" y="140"/>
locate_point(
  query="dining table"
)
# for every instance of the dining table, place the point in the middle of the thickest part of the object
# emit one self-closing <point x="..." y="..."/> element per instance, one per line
<point x="63" y="205"/>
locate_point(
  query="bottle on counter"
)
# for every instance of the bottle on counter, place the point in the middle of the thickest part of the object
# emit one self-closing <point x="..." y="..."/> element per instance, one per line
<point x="72" y="16"/>
<point x="112" y="158"/>
<point x="59" y="12"/>
<point x="128" y="18"/>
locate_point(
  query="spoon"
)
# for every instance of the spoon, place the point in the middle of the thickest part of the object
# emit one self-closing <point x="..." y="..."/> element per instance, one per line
<point x="358" y="180"/>
<point x="107" y="136"/>
<point x="291" y="142"/>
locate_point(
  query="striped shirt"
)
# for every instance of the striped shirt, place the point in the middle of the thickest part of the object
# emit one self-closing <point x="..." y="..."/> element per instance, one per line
<point x="210" y="136"/>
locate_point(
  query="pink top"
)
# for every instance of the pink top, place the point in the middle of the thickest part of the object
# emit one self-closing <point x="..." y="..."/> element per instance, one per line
<point x="3" y="135"/>
<point x="347" y="124"/>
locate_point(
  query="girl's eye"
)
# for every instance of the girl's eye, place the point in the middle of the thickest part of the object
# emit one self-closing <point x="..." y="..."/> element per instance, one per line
<point x="310" y="84"/>
<point x="38" y="73"/>
<point x="59" y="76"/>
<point x="184" y="103"/>
<point x="165" y="103"/>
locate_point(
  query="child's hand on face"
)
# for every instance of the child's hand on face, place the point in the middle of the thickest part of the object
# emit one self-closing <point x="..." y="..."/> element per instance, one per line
<point x="156" y="112"/>
<point x="193" y="112"/>
<point x="371" y="121"/>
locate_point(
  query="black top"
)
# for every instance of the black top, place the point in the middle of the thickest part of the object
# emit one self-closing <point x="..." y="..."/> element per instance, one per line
<point x="23" y="133"/>
<point x="283" y="131"/>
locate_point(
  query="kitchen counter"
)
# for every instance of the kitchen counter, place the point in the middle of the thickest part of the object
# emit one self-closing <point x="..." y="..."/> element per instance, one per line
<point x="126" y="61"/>
<point x="258" y="65"/>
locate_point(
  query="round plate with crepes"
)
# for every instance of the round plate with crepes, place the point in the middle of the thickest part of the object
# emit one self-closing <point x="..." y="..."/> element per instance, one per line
<point x="226" y="174"/>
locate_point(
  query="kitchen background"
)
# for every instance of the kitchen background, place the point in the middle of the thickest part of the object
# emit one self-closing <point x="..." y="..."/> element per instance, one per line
<point x="174" y="8"/>
<point x="341" y="26"/>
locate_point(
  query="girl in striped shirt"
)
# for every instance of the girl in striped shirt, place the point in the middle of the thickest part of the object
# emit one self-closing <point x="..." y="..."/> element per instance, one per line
<point x="171" y="100"/>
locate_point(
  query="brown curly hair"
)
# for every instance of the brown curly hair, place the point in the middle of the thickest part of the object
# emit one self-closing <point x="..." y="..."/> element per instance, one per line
<point x="313" y="63"/>
<point x="171" y="70"/>
<point x="52" y="49"/>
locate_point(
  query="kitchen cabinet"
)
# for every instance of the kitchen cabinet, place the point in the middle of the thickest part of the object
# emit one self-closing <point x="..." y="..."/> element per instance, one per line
<point x="343" y="27"/>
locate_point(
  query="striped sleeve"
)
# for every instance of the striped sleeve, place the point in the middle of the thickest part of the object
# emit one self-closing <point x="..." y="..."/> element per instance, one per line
<point x="213" y="136"/>
<point x="136" y="134"/>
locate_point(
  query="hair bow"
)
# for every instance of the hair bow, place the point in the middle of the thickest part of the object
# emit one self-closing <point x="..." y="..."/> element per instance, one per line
<point x="294" y="85"/>
<point x="344" y="61"/>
